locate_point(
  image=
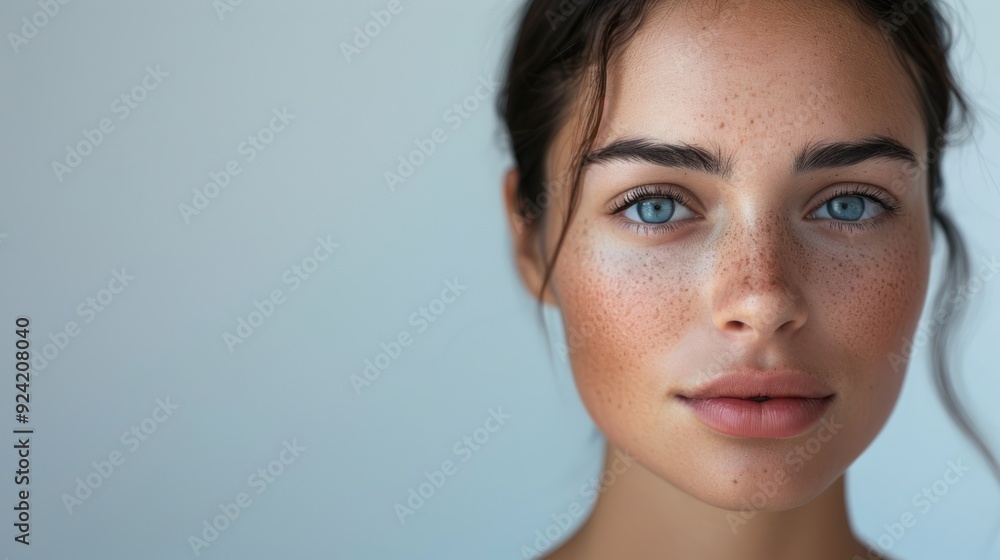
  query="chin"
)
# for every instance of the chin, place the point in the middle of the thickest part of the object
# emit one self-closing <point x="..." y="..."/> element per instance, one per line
<point x="748" y="477"/>
<point x="741" y="474"/>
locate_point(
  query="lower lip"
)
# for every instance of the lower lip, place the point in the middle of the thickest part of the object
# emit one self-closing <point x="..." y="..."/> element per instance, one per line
<point x="774" y="418"/>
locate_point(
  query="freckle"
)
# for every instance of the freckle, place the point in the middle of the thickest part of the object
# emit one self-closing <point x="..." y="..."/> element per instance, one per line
<point x="734" y="481"/>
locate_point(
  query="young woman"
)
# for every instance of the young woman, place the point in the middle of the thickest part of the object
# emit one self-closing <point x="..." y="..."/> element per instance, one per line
<point x="735" y="202"/>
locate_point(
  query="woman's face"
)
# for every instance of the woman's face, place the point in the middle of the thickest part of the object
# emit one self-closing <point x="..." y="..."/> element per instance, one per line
<point x="758" y="264"/>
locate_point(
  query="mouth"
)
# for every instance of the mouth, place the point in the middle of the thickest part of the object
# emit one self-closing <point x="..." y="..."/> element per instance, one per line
<point x="748" y="404"/>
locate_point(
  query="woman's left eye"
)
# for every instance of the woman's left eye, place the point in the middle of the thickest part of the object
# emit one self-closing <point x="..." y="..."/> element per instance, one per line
<point x="849" y="208"/>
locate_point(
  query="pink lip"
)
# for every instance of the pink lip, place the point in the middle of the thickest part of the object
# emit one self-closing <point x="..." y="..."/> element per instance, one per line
<point x="795" y="401"/>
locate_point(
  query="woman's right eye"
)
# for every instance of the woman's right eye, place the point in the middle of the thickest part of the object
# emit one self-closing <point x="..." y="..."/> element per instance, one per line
<point x="657" y="210"/>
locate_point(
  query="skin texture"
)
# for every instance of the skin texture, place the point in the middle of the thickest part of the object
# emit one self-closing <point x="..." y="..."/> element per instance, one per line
<point x="751" y="277"/>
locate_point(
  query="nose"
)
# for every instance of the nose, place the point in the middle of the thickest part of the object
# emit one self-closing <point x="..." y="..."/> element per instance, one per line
<point x="755" y="291"/>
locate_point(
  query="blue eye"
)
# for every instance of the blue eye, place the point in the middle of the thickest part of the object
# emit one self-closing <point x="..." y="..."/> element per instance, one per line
<point x="656" y="211"/>
<point x="846" y="207"/>
<point x="850" y="208"/>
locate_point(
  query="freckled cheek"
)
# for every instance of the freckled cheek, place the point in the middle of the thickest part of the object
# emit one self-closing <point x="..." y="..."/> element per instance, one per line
<point x="623" y="309"/>
<point x="872" y="309"/>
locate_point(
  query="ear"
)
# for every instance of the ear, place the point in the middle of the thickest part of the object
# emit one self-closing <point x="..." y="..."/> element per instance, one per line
<point x="527" y="241"/>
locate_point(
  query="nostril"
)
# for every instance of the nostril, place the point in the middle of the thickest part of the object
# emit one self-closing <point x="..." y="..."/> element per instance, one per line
<point x="788" y="325"/>
<point x="737" y="325"/>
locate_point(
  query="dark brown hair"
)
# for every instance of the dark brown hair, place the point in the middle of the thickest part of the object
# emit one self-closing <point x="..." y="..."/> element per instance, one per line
<point x="561" y="55"/>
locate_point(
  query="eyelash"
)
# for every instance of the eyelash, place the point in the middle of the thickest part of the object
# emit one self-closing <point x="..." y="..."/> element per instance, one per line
<point x="890" y="207"/>
<point x="642" y="193"/>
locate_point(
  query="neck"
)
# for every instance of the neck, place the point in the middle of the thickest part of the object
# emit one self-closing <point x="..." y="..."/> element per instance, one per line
<point x="640" y="515"/>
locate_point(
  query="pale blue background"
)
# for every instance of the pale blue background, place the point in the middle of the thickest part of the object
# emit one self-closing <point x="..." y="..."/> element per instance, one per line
<point x="323" y="176"/>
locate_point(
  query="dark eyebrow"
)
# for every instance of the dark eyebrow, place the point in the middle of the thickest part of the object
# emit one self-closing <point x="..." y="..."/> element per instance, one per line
<point x="644" y="150"/>
<point x="842" y="154"/>
<point x="812" y="158"/>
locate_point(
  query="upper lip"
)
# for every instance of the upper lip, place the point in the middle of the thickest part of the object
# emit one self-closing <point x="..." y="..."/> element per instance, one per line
<point x="750" y="384"/>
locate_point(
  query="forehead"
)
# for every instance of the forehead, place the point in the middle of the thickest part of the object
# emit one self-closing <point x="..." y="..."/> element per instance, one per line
<point x="750" y="76"/>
